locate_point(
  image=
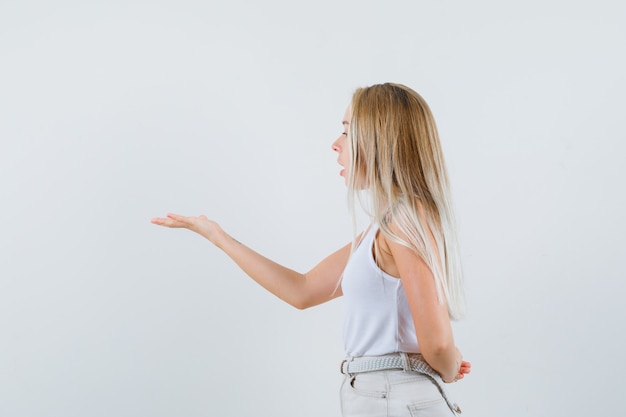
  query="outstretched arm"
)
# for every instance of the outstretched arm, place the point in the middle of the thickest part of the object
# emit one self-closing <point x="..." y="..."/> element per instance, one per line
<point x="300" y="290"/>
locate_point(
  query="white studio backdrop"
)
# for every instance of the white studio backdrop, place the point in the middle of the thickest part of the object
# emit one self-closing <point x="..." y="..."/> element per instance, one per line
<point x="112" y="113"/>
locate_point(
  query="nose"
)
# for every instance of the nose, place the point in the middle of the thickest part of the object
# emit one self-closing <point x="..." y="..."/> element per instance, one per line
<point x="335" y="145"/>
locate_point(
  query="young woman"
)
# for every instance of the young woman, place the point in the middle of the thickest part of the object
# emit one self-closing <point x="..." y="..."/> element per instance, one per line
<point x="400" y="279"/>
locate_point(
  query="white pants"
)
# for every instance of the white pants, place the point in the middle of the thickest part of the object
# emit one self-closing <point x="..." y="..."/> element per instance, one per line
<point x="392" y="393"/>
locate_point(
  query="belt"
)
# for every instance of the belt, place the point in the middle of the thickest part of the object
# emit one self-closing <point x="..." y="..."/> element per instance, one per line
<point x="405" y="361"/>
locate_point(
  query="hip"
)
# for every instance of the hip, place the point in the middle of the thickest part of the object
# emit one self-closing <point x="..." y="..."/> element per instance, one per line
<point x="398" y="385"/>
<point x="390" y="393"/>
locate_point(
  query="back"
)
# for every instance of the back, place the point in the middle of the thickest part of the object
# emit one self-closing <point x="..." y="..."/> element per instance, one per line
<point x="377" y="318"/>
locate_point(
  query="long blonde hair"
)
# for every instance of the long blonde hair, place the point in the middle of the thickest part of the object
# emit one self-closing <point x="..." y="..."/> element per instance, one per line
<point x="397" y="163"/>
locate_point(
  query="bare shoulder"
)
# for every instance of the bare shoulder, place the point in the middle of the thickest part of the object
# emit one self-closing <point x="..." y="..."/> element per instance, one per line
<point x="384" y="256"/>
<point x="398" y="253"/>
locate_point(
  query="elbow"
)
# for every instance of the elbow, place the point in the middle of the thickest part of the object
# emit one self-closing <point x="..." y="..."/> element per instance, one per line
<point x="305" y="300"/>
<point x="301" y="304"/>
<point x="443" y="357"/>
<point x="302" y="299"/>
<point x="298" y="303"/>
<point x="437" y="349"/>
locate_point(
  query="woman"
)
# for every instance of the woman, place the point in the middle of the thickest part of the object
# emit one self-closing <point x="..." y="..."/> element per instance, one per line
<point x="401" y="278"/>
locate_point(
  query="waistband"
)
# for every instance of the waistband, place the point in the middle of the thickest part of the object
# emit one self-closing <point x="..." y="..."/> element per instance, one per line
<point x="406" y="361"/>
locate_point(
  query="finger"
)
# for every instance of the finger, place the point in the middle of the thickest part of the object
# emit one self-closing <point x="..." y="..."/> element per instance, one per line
<point x="167" y="222"/>
<point x="179" y="218"/>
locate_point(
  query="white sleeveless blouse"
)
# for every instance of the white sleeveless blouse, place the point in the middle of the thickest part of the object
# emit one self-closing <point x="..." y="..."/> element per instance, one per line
<point x="377" y="318"/>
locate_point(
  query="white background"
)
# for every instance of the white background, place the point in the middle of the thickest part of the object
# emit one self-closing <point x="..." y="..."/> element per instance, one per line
<point x="112" y="113"/>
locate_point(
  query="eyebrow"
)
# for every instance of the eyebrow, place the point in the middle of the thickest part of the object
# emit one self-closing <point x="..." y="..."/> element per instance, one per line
<point x="345" y="123"/>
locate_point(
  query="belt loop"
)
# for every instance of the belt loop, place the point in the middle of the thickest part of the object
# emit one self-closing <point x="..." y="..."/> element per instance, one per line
<point x="406" y="365"/>
<point x="345" y="364"/>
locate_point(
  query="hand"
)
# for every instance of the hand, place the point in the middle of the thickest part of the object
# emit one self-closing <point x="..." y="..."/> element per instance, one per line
<point x="465" y="368"/>
<point x="201" y="224"/>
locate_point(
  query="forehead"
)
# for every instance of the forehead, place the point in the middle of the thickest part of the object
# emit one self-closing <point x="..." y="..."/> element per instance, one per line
<point x="347" y="115"/>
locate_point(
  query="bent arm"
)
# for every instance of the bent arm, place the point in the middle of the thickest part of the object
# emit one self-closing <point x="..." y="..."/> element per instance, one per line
<point x="300" y="290"/>
<point x="430" y="315"/>
<point x="317" y="286"/>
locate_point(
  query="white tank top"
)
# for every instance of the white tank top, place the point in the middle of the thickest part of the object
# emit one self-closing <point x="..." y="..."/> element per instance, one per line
<point x="377" y="318"/>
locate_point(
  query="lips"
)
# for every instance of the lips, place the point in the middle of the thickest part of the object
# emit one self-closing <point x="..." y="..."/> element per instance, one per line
<point x="342" y="172"/>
